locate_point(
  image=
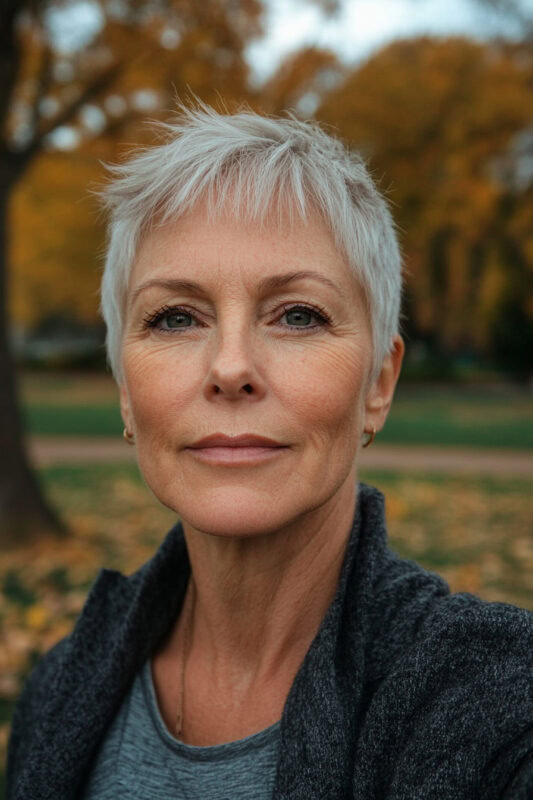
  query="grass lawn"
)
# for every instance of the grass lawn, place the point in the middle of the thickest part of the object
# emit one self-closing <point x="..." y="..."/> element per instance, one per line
<point x="476" y="532"/>
<point x="495" y="416"/>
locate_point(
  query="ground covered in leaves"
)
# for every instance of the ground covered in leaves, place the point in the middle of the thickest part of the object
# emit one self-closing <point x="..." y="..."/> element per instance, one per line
<point x="476" y="532"/>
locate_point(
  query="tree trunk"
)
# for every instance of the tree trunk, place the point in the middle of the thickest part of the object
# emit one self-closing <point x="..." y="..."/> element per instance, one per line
<point x="24" y="513"/>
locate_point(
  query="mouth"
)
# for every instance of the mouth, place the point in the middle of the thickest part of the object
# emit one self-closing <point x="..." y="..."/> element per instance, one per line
<point x="245" y="449"/>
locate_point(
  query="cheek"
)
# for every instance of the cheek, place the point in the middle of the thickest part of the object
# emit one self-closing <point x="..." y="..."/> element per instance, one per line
<point x="160" y="381"/>
<point x="325" y="389"/>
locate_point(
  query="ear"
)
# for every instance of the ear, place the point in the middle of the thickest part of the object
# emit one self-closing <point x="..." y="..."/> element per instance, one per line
<point x="381" y="392"/>
<point x="125" y="409"/>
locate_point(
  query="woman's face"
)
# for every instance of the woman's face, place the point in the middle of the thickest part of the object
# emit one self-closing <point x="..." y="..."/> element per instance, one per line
<point x="236" y="331"/>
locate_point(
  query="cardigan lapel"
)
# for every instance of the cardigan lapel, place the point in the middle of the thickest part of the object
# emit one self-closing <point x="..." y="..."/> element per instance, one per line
<point x="328" y="696"/>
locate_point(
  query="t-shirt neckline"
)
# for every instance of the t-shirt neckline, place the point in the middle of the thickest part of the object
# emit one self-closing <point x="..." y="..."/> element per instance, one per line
<point x="226" y="750"/>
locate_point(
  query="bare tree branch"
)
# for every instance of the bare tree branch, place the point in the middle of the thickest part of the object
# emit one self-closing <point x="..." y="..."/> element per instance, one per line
<point x="43" y="84"/>
<point x="9" y="53"/>
<point x="514" y="11"/>
<point x="103" y="81"/>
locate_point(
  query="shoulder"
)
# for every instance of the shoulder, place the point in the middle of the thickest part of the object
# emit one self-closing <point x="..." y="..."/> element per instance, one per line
<point x="412" y="609"/>
<point x="459" y="698"/>
<point x="468" y="637"/>
<point x="448" y="682"/>
<point x="101" y="610"/>
<point x="478" y="655"/>
<point x="37" y="689"/>
<point x="121" y="621"/>
<point x="106" y="604"/>
<point x="436" y="637"/>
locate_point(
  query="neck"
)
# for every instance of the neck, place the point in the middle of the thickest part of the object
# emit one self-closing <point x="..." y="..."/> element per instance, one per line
<point x="260" y="600"/>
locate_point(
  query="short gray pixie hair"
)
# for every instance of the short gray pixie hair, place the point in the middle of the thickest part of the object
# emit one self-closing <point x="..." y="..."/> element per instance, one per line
<point x="252" y="166"/>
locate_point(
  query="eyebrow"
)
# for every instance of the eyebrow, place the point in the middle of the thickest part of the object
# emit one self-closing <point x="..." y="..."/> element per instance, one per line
<point x="171" y="284"/>
<point x="278" y="281"/>
<point x="266" y="285"/>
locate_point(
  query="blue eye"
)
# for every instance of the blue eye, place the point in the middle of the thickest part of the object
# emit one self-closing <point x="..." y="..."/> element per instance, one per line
<point x="177" y="319"/>
<point x="170" y="319"/>
<point x="303" y="317"/>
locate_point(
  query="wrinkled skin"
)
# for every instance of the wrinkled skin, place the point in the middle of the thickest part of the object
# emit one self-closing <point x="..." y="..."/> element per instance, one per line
<point x="238" y="358"/>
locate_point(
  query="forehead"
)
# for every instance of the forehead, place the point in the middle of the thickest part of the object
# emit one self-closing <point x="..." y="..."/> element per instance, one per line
<point x="224" y="251"/>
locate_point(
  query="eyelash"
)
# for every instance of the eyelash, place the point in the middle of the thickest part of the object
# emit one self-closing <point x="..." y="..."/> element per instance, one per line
<point x="320" y="314"/>
<point x="152" y="320"/>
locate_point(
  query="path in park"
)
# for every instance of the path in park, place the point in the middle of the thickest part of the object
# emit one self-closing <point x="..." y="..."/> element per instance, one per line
<point x="47" y="451"/>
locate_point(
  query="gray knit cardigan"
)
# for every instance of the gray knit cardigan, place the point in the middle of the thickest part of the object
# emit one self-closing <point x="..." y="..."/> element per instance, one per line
<point x="407" y="692"/>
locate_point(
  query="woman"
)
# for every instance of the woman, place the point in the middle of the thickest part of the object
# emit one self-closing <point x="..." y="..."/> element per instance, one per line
<point x="274" y="646"/>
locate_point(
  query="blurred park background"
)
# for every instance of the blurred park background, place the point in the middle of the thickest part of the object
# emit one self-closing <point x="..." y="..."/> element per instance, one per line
<point x="438" y="96"/>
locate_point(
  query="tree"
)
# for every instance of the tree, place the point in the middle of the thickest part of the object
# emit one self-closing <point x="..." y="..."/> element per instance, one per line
<point x="516" y="12"/>
<point x="447" y="122"/>
<point x="142" y="53"/>
<point x="302" y="81"/>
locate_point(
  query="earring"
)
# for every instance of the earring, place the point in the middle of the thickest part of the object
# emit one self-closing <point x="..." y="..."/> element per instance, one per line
<point x="128" y="436"/>
<point x="371" y="435"/>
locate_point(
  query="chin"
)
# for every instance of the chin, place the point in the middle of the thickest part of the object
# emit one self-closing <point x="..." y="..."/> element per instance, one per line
<point x="237" y="512"/>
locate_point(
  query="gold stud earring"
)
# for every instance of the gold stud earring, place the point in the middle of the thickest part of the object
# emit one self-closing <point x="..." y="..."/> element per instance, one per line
<point x="371" y="436"/>
<point x="128" y="436"/>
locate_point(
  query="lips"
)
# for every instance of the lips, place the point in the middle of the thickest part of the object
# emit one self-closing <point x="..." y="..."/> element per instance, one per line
<point x="219" y="450"/>
<point x="244" y="440"/>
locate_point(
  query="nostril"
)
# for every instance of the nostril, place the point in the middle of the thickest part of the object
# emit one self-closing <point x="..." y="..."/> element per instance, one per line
<point x="247" y="388"/>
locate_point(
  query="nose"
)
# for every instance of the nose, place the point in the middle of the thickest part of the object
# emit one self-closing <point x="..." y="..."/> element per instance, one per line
<point x="233" y="372"/>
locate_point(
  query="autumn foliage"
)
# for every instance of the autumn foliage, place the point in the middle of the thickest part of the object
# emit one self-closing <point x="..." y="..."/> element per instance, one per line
<point x="98" y="97"/>
<point x="448" y="128"/>
<point x="445" y="124"/>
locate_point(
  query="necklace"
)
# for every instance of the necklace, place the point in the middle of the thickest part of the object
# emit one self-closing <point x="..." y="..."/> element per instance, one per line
<point x="187" y="631"/>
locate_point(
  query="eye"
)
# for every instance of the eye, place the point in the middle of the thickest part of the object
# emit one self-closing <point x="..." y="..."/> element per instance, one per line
<point x="303" y="317"/>
<point x="176" y="319"/>
<point x="170" y="318"/>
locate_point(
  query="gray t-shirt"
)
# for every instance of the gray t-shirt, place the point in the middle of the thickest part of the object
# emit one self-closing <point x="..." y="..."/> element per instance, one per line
<point x="139" y="758"/>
